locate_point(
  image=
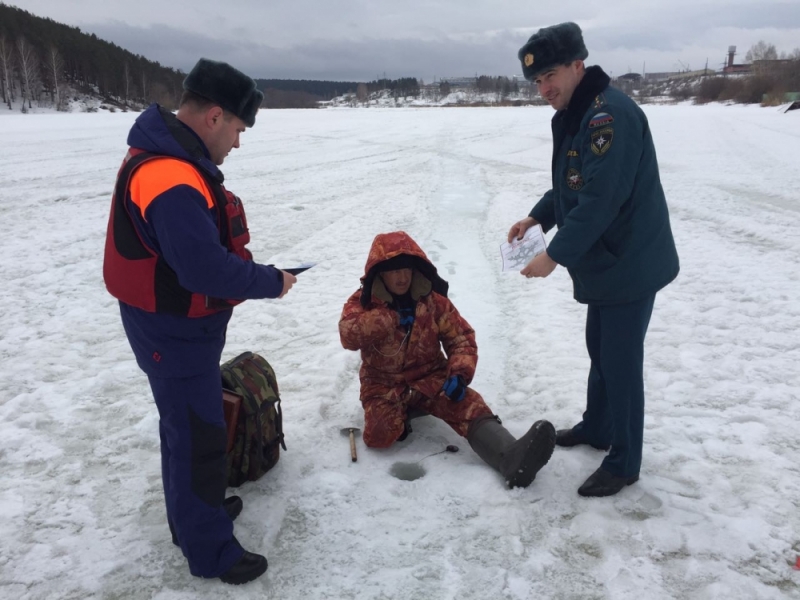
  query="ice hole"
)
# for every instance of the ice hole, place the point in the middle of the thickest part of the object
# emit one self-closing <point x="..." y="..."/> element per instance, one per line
<point x="407" y="471"/>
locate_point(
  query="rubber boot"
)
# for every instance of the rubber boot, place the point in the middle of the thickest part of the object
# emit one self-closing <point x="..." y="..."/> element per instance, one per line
<point x="518" y="461"/>
<point x="412" y="413"/>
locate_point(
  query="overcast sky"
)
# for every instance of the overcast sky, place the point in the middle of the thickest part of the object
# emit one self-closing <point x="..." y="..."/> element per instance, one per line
<point x="359" y="40"/>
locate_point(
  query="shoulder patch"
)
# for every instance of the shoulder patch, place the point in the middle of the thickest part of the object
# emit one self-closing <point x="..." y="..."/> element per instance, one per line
<point x="600" y="119"/>
<point x="574" y="179"/>
<point x="601" y="140"/>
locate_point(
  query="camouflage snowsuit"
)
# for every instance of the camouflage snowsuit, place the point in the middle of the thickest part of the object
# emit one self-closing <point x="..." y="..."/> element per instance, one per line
<point x="399" y="370"/>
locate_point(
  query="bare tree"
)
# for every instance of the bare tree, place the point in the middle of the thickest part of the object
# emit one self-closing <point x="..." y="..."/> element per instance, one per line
<point x="361" y="92"/>
<point x="127" y="82"/>
<point x="161" y="94"/>
<point x="55" y="68"/>
<point x="28" y="71"/>
<point x="761" y="51"/>
<point x="6" y="69"/>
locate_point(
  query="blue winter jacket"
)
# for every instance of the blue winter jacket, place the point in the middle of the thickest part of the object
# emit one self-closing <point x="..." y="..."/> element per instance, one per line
<point x="179" y="226"/>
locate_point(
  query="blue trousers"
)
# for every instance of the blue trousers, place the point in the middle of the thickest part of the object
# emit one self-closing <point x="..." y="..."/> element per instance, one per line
<point x="193" y="470"/>
<point x="615" y="393"/>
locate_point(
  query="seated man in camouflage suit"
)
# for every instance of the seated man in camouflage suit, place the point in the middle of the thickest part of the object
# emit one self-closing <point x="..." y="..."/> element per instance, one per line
<point x="400" y="320"/>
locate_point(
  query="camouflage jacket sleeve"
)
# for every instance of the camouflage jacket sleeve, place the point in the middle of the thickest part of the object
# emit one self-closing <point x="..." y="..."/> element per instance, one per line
<point x="360" y="327"/>
<point x="458" y="339"/>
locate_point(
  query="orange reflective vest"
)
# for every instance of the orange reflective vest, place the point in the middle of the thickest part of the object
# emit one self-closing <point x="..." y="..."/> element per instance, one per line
<point x="133" y="272"/>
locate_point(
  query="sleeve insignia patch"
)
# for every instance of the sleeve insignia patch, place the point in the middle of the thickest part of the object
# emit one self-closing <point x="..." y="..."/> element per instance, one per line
<point x="528" y="59"/>
<point x="572" y="153"/>
<point x="574" y="180"/>
<point x="601" y="140"/>
<point x="600" y="119"/>
<point x="600" y="100"/>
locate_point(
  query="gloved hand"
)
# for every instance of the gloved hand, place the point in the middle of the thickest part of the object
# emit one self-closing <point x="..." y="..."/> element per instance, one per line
<point x="406" y="317"/>
<point x="455" y="388"/>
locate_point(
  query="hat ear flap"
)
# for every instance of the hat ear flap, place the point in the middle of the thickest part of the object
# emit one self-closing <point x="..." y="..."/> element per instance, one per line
<point x="251" y="106"/>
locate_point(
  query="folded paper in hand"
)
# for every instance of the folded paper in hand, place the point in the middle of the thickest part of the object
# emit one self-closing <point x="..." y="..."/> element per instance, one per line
<point x="519" y="253"/>
<point x="300" y="268"/>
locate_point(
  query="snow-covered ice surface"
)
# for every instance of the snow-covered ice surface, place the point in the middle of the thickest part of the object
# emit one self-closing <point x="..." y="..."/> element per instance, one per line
<point x="715" y="514"/>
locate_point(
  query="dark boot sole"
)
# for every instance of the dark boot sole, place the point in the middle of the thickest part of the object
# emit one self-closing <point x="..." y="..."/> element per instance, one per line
<point x="536" y="455"/>
<point x="246" y="578"/>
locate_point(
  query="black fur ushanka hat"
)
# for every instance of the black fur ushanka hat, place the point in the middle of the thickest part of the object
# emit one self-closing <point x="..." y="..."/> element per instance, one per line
<point x="231" y="89"/>
<point x="551" y="47"/>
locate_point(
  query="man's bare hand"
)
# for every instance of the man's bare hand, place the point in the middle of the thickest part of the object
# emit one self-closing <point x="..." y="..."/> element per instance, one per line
<point x="288" y="281"/>
<point x="540" y="266"/>
<point x="519" y="228"/>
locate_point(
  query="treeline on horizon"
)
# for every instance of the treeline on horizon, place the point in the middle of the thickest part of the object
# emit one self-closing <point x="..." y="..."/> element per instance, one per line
<point x="50" y="64"/>
<point x="307" y="93"/>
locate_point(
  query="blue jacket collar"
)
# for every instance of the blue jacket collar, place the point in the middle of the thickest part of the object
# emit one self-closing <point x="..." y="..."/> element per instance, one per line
<point x="159" y="131"/>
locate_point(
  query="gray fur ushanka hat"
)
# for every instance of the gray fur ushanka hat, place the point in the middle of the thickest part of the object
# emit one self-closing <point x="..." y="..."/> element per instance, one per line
<point x="231" y="89"/>
<point x="551" y="47"/>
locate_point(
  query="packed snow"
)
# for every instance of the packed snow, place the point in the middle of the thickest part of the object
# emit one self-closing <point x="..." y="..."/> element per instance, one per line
<point x="715" y="514"/>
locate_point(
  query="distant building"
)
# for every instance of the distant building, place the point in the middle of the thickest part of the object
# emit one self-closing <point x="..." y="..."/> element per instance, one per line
<point x="659" y="76"/>
<point x="733" y="69"/>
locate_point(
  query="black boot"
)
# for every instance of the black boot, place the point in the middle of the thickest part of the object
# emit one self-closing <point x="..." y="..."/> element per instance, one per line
<point x="602" y="483"/>
<point x="568" y="438"/>
<point x="249" y="567"/>
<point x="518" y="461"/>
<point x="411" y="413"/>
<point x="233" y="506"/>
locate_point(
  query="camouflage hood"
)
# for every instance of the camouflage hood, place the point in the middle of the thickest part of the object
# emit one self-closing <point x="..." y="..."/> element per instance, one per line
<point x="387" y="246"/>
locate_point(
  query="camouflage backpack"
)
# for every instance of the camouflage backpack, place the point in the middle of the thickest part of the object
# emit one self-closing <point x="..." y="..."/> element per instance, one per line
<point x="259" y="430"/>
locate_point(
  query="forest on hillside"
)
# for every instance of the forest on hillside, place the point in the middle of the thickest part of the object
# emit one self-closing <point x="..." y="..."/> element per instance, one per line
<point x="46" y="63"/>
<point x="42" y="61"/>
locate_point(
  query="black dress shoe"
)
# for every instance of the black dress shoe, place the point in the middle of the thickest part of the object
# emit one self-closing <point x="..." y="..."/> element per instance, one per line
<point x="232" y="505"/>
<point x="602" y="483"/>
<point x="249" y="567"/>
<point x="568" y="438"/>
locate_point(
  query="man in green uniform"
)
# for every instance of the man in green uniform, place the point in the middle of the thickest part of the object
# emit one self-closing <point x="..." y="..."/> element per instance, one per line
<point x="614" y="238"/>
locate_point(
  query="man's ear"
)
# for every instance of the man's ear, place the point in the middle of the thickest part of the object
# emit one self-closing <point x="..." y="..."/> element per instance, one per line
<point x="214" y="115"/>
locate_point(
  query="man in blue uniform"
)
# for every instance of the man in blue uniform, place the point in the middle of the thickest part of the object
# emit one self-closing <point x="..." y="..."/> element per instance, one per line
<point x="176" y="259"/>
<point x="614" y="238"/>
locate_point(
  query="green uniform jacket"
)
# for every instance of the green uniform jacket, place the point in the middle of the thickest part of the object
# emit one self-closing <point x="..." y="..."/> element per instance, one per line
<point x="614" y="234"/>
